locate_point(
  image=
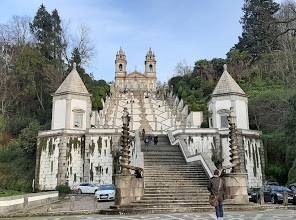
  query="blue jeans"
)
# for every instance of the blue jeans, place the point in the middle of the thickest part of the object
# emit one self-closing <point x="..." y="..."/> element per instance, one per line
<point x="219" y="210"/>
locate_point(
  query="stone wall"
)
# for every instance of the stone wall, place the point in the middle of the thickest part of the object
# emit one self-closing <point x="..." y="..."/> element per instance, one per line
<point x="214" y="144"/>
<point x="68" y="157"/>
<point x="101" y="161"/>
<point x="20" y="202"/>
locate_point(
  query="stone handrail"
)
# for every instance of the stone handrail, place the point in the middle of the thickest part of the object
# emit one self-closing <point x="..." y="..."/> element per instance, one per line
<point x="206" y="162"/>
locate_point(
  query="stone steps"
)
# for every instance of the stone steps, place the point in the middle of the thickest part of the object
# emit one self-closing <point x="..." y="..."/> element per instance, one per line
<point x="174" y="178"/>
<point x="170" y="183"/>
<point x="175" y="196"/>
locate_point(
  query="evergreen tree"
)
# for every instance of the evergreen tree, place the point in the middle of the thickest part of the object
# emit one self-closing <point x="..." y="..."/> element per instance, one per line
<point x="259" y="27"/>
<point x="41" y="28"/>
<point x="58" y="44"/>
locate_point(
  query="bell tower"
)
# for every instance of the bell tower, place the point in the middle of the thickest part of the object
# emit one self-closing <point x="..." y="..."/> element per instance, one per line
<point x="120" y="63"/>
<point x="120" y="69"/>
<point x="150" y="64"/>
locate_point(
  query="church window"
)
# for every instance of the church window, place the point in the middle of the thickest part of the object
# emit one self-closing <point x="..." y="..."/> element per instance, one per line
<point x="211" y="122"/>
<point x="224" y="121"/>
<point x="150" y="68"/>
<point x="120" y="67"/>
<point x="78" y="119"/>
<point x="107" y="170"/>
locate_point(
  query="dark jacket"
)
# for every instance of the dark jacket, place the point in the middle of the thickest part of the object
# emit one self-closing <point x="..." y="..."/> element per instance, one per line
<point x="213" y="187"/>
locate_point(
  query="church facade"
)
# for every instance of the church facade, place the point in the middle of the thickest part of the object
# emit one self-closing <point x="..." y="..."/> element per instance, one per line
<point x="83" y="145"/>
<point x="135" y="81"/>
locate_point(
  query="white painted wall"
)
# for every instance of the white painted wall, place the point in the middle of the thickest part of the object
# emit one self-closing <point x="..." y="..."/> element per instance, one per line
<point x="195" y="119"/>
<point x="102" y="160"/>
<point x="79" y="104"/>
<point x="241" y="110"/>
<point x="252" y="147"/>
<point x="59" y="114"/>
<point x="239" y="105"/>
<point x="48" y="178"/>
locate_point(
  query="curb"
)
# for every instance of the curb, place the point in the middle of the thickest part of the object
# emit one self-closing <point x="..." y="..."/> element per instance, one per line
<point x="234" y="208"/>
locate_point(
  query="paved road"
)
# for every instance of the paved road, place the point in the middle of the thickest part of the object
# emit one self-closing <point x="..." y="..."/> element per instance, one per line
<point x="275" y="214"/>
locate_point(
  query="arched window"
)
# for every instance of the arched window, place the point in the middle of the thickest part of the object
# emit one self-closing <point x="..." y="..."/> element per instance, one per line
<point x="150" y="68"/>
<point x="120" y="67"/>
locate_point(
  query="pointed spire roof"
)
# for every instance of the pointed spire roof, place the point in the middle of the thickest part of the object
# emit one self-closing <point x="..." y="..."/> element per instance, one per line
<point x="227" y="85"/>
<point x="73" y="84"/>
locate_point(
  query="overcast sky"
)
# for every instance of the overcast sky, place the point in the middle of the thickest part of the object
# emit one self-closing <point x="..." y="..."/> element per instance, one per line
<point x="176" y="30"/>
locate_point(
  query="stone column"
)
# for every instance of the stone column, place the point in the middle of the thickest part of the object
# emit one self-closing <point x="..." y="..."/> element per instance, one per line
<point x="62" y="165"/>
<point x="86" y="171"/>
<point x="128" y="189"/>
<point x="236" y="188"/>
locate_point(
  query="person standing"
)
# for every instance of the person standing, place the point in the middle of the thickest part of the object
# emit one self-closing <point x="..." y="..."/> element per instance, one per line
<point x="146" y="141"/>
<point x="216" y="187"/>
<point x="155" y="140"/>
<point x="143" y="133"/>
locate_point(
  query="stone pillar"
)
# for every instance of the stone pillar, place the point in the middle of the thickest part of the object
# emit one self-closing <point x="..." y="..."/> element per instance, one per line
<point x="128" y="189"/>
<point x="37" y="166"/>
<point x="86" y="171"/>
<point x="62" y="165"/>
<point x="236" y="188"/>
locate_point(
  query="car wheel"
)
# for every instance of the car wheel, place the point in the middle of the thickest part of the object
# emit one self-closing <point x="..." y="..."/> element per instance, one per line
<point x="273" y="200"/>
<point x="79" y="191"/>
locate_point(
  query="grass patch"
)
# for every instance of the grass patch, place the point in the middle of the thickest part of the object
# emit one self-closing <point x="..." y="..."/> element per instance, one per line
<point x="6" y="193"/>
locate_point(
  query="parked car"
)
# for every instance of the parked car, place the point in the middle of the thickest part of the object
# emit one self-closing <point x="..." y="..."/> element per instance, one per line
<point x="105" y="192"/>
<point x="253" y="194"/>
<point x="87" y="188"/>
<point x="272" y="183"/>
<point x="292" y="187"/>
<point x="274" y="194"/>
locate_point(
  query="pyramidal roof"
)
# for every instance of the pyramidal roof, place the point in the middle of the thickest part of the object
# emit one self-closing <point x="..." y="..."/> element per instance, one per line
<point x="73" y="84"/>
<point x="227" y="85"/>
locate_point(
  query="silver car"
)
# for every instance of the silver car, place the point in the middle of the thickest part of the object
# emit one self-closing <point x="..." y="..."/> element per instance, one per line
<point x="87" y="188"/>
<point x="105" y="192"/>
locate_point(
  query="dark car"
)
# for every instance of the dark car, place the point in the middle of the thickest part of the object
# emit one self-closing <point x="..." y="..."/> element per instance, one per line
<point x="253" y="194"/>
<point x="274" y="194"/>
<point x="292" y="187"/>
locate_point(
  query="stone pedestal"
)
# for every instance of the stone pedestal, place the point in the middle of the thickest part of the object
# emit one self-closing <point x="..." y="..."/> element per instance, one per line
<point x="236" y="188"/>
<point x="128" y="189"/>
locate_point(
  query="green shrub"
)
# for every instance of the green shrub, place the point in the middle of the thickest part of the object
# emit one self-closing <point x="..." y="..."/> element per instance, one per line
<point x="63" y="189"/>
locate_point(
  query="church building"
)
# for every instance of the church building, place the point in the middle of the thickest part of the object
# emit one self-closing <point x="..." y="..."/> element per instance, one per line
<point x="83" y="145"/>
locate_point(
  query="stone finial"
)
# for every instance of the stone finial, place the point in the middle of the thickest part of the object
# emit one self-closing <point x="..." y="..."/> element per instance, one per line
<point x="225" y="67"/>
<point x="74" y="66"/>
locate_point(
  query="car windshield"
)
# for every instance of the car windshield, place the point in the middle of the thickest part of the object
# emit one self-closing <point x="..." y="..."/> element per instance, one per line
<point x="283" y="188"/>
<point x="106" y="187"/>
<point x="280" y="188"/>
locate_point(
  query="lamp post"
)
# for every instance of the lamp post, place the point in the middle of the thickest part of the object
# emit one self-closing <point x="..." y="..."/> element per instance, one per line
<point x="125" y="157"/>
<point x="234" y="148"/>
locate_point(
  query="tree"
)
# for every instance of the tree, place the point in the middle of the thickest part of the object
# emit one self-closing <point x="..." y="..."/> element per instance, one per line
<point x="259" y="27"/>
<point x="182" y="68"/>
<point x="57" y="37"/>
<point x="42" y="29"/>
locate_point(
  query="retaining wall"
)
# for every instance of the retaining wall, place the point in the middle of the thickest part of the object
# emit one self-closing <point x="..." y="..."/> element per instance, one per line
<point x="21" y="202"/>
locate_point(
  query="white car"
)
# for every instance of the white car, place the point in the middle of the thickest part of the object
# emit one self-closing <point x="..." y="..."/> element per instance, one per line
<point x="87" y="188"/>
<point x="105" y="192"/>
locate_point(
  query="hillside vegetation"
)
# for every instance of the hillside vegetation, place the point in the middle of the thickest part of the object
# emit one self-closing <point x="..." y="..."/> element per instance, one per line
<point x="263" y="62"/>
<point x="34" y="60"/>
